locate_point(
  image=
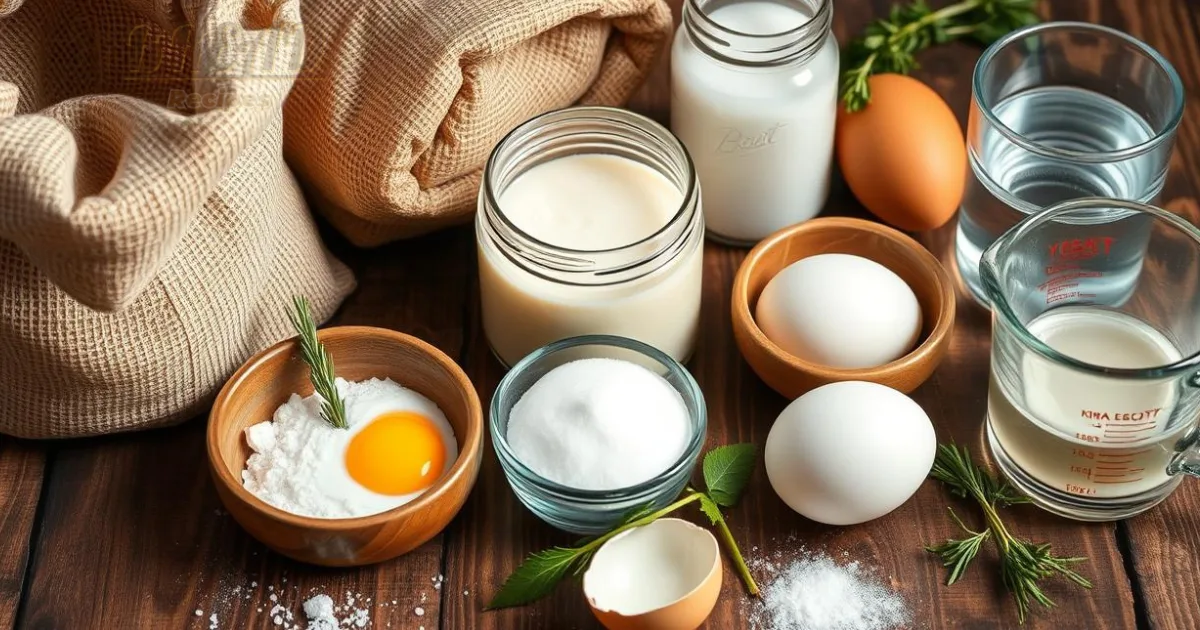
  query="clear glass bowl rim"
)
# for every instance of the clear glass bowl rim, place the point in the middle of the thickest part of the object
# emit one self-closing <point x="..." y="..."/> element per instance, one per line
<point x="514" y="466"/>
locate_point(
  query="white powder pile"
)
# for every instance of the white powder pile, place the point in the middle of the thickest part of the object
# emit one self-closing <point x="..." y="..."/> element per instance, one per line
<point x="319" y="611"/>
<point x="599" y="424"/>
<point x="816" y="593"/>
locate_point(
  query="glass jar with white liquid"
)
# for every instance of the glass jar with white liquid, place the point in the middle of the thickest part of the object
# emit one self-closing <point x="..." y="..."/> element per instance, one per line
<point x="754" y="99"/>
<point x="589" y="223"/>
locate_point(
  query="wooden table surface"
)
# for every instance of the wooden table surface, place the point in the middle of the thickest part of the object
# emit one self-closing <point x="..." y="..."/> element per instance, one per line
<point x="127" y="532"/>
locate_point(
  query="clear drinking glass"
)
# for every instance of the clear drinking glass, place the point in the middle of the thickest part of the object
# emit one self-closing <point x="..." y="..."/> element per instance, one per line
<point x="1094" y="394"/>
<point x="1059" y="111"/>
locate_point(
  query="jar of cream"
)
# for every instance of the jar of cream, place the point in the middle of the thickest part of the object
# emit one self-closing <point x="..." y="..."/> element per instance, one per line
<point x="589" y="222"/>
<point x="754" y="98"/>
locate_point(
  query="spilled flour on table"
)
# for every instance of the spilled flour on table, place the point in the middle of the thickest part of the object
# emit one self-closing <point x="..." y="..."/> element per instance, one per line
<point x="285" y="606"/>
<point x="806" y="590"/>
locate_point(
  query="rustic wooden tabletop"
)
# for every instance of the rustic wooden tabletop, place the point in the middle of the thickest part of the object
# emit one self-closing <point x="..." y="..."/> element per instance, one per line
<point x="127" y="532"/>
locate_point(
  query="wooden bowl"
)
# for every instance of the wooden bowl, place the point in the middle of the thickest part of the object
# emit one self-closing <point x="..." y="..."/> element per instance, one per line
<point x="267" y="381"/>
<point x="792" y="376"/>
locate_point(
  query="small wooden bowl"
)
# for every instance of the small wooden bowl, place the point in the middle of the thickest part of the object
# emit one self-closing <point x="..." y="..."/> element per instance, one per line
<point x="267" y="381"/>
<point x="792" y="376"/>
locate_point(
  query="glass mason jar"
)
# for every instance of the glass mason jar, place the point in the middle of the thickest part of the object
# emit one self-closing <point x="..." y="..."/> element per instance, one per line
<point x="534" y="292"/>
<point x="754" y="98"/>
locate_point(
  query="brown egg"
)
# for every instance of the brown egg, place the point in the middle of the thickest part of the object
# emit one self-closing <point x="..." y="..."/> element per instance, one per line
<point x="661" y="576"/>
<point x="903" y="155"/>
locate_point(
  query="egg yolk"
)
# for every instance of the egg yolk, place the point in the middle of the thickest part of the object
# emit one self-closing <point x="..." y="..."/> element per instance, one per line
<point x="399" y="453"/>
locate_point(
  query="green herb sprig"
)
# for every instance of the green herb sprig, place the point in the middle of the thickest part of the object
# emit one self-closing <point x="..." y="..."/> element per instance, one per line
<point x="726" y="469"/>
<point x="1022" y="564"/>
<point x="320" y="364"/>
<point x="890" y="44"/>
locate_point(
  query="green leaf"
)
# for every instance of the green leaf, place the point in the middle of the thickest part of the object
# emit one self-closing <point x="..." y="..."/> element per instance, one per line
<point x="727" y="470"/>
<point x="710" y="509"/>
<point x="536" y="577"/>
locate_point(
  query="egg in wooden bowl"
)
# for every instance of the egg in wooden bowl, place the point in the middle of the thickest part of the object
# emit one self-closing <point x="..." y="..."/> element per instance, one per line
<point x="904" y="366"/>
<point x="390" y="480"/>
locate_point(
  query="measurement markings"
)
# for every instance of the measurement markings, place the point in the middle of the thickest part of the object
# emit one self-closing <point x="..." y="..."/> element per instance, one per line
<point x="1131" y="454"/>
<point x="1118" y="481"/>
<point x="1106" y="431"/>
<point x="1121" y="468"/>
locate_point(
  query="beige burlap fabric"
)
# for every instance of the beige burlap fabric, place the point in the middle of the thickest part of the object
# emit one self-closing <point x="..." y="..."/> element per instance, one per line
<point x="400" y="101"/>
<point x="150" y="233"/>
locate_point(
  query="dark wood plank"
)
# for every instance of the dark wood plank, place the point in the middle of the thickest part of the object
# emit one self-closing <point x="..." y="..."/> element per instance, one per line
<point x="1164" y="543"/>
<point x="21" y="468"/>
<point x="133" y="533"/>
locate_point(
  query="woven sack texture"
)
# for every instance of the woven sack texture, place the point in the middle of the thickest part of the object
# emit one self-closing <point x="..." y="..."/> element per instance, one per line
<point x="400" y="101"/>
<point x="151" y="236"/>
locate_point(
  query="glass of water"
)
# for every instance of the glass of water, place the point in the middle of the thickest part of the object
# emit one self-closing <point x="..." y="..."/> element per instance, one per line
<point x="1062" y="110"/>
<point x="1094" y="395"/>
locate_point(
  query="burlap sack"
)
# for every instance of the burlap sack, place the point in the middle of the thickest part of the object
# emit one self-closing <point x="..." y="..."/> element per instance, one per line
<point x="150" y="234"/>
<point x="400" y="101"/>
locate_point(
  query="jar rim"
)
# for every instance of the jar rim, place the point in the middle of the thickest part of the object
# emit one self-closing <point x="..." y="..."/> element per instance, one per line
<point x="796" y="45"/>
<point x="823" y="7"/>
<point x="607" y="114"/>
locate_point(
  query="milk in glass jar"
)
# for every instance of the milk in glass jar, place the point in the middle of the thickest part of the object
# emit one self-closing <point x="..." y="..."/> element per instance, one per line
<point x="754" y="99"/>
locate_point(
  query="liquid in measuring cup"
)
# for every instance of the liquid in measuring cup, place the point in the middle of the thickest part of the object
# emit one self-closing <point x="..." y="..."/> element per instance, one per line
<point x="1082" y="434"/>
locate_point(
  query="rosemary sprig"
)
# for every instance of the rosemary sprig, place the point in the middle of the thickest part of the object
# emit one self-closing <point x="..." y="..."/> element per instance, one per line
<point x="890" y="44"/>
<point x="1022" y="564"/>
<point x="320" y="364"/>
<point x="727" y="469"/>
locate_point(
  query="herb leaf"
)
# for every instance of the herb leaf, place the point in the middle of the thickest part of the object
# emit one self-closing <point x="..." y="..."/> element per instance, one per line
<point x="536" y="577"/>
<point x="320" y="364"/>
<point x="1022" y="564"/>
<point x="727" y="470"/>
<point x="958" y="554"/>
<point x="890" y="44"/>
<point x="711" y="509"/>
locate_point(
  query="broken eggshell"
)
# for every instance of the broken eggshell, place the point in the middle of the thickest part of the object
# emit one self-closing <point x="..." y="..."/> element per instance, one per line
<point x="662" y="576"/>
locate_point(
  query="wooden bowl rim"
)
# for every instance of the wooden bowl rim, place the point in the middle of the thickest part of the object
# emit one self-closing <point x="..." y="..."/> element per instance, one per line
<point x="469" y="450"/>
<point x="937" y="335"/>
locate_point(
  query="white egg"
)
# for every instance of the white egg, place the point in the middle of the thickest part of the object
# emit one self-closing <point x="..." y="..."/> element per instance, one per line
<point x="849" y="452"/>
<point x="840" y="311"/>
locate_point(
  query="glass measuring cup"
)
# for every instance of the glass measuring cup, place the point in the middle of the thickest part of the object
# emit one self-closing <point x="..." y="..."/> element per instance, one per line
<point x="1094" y="395"/>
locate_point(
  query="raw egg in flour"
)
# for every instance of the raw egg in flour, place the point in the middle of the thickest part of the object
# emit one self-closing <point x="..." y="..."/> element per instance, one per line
<point x="397" y="453"/>
<point x="398" y="446"/>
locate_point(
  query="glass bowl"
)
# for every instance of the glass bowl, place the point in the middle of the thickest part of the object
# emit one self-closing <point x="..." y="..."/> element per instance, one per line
<point x="591" y="512"/>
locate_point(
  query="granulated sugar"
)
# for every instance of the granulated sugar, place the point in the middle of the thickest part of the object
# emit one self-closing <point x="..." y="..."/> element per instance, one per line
<point x="815" y="593"/>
